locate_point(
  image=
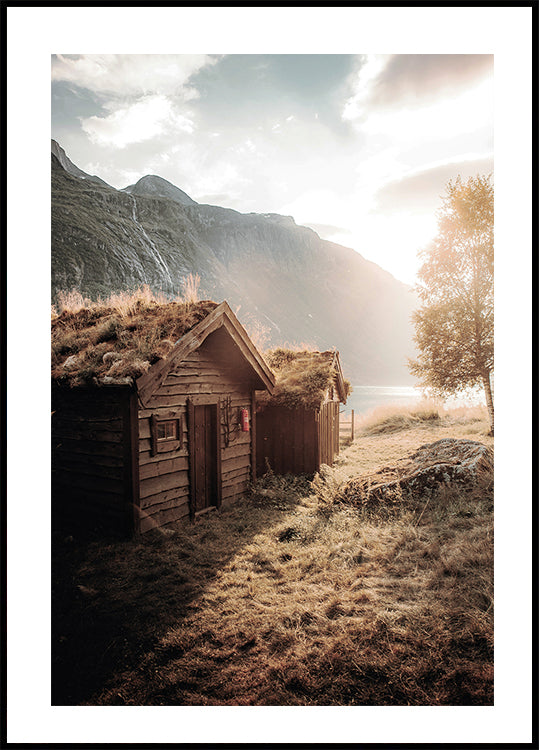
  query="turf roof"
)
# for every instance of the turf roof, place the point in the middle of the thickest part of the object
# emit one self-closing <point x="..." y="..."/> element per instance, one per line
<point x="100" y="343"/>
<point x="302" y="378"/>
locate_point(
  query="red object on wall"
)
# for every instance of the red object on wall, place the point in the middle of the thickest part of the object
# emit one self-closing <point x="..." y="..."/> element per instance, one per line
<point x="245" y="420"/>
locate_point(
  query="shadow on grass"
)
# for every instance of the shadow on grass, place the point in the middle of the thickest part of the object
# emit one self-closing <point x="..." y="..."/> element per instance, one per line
<point x="113" y="600"/>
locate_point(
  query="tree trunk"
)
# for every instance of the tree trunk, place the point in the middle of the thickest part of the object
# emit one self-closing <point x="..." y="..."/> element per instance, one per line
<point x="489" y="399"/>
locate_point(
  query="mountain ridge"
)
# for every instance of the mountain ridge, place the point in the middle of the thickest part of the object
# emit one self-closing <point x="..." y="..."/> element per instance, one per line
<point x="154" y="186"/>
<point x="71" y="168"/>
<point x="285" y="282"/>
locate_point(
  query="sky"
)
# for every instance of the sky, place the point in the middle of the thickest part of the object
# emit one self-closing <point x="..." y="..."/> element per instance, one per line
<point x="359" y="147"/>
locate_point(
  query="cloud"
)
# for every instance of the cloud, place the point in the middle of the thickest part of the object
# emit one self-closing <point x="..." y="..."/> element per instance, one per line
<point x="145" y="119"/>
<point x="414" y="78"/>
<point x="141" y="97"/>
<point x="389" y="82"/>
<point x="222" y="177"/>
<point x="430" y="121"/>
<point x="407" y="98"/>
<point x="422" y="189"/>
<point x="127" y="76"/>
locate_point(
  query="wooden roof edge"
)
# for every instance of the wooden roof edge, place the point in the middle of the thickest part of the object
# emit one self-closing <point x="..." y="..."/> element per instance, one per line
<point x="340" y="376"/>
<point x="256" y="359"/>
<point x="151" y="380"/>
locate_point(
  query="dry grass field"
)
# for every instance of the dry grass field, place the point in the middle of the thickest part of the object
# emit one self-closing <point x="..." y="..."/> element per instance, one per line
<point x="290" y="598"/>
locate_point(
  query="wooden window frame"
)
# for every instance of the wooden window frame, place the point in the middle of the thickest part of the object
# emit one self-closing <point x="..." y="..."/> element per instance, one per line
<point x="166" y="444"/>
<point x="170" y="429"/>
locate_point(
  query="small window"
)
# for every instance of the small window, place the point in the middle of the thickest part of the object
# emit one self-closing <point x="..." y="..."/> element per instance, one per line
<point x="167" y="430"/>
<point x="166" y="434"/>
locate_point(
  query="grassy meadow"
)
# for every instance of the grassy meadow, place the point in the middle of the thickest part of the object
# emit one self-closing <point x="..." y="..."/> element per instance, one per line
<point x="290" y="598"/>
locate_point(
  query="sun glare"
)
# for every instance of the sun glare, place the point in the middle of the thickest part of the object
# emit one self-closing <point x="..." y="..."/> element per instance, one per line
<point x="446" y="118"/>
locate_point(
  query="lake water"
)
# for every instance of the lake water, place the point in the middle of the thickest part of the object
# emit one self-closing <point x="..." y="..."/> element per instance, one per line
<point x="364" y="398"/>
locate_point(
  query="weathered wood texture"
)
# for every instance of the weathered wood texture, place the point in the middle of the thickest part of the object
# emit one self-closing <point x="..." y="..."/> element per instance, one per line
<point x="225" y="331"/>
<point x="296" y="441"/>
<point x="205" y="470"/>
<point x="329" y="432"/>
<point x="287" y="440"/>
<point x="94" y="484"/>
<point x="205" y="447"/>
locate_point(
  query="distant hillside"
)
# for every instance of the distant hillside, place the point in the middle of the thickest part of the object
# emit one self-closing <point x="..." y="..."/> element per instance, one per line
<point x="277" y="276"/>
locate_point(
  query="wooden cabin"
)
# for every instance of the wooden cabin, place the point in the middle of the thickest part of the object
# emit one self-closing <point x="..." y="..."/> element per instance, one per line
<point x="174" y="440"/>
<point x="298" y="426"/>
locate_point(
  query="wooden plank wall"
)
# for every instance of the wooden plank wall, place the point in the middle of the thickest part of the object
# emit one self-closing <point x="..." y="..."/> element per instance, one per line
<point x="336" y="428"/>
<point x="297" y="441"/>
<point x="164" y="478"/>
<point x="288" y="440"/>
<point x="92" y="477"/>
<point x="329" y="432"/>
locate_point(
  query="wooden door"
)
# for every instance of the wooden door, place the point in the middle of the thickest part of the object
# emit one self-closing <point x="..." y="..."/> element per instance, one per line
<point x="204" y="458"/>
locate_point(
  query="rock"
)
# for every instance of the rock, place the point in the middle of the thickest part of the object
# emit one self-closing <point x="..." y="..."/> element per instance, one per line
<point x="129" y="367"/>
<point x="109" y="358"/>
<point x="449" y="461"/>
<point x="71" y="362"/>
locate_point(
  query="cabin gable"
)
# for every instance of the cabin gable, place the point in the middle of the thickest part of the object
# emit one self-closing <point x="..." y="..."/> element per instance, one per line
<point x="236" y="345"/>
<point x="210" y="459"/>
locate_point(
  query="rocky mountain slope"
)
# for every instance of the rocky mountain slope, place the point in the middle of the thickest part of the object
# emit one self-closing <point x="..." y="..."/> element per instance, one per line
<point x="156" y="187"/>
<point x="281" y="279"/>
<point x="68" y="165"/>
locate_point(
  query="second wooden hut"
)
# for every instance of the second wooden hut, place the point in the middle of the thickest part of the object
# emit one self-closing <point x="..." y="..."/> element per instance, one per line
<point x="298" y="425"/>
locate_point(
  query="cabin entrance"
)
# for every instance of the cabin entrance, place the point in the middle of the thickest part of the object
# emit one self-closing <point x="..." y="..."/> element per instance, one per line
<point x="205" y="455"/>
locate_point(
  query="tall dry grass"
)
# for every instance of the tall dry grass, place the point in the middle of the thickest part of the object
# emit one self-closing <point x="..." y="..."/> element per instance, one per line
<point x="70" y="301"/>
<point x="288" y="598"/>
<point x="191" y="286"/>
<point x="393" y="418"/>
<point x="126" y="302"/>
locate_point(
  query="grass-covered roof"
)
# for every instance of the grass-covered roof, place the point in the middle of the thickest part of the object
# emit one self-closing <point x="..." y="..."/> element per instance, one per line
<point x="302" y="378"/>
<point x="119" y="338"/>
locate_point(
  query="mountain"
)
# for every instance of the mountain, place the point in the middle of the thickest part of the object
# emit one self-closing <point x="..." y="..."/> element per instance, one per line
<point x="68" y="165"/>
<point x="156" y="187"/>
<point x="283" y="280"/>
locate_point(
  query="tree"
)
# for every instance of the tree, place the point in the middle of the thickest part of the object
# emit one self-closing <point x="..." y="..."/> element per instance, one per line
<point x="454" y="327"/>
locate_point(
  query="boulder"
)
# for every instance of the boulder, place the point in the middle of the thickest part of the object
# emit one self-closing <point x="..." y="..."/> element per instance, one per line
<point x="449" y="461"/>
<point x="109" y="358"/>
<point x="71" y="362"/>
